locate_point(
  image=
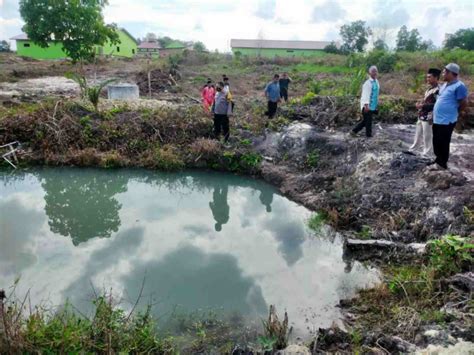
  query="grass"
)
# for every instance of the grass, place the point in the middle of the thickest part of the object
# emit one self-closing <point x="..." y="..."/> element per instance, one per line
<point x="109" y="330"/>
<point x="318" y="68"/>
<point x="317" y="220"/>
<point x="412" y="296"/>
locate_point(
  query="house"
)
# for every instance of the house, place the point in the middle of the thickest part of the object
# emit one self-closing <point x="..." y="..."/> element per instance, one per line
<point x="175" y="47"/>
<point x="277" y="48"/>
<point x="149" y="49"/>
<point x="26" y="48"/>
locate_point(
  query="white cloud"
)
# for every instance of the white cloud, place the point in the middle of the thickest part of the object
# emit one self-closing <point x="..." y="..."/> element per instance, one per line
<point x="215" y="23"/>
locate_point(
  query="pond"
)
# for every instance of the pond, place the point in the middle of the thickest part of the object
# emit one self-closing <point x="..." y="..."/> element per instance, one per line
<point x="189" y="241"/>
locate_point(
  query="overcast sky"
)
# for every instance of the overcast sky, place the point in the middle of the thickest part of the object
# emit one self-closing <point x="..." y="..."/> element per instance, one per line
<point x="215" y="22"/>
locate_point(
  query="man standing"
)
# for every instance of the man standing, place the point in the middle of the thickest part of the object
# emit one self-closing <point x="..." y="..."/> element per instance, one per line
<point x="424" y="130"/>
<point x="222" y="109"/>
<point x="272" y="93"/>
<point x="368" y="102"/>
<point x="285" y="81"/>
<point x="225" y="80"/>
<point x="452" y="101"/>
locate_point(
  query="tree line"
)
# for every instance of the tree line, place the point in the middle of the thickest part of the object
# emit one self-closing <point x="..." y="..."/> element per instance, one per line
<point x="355" y="37"/>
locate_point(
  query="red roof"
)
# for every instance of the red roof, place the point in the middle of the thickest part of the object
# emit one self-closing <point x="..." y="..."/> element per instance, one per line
<point x="149" y="45"/>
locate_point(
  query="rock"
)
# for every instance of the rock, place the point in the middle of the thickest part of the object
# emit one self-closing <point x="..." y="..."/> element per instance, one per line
<point x="395" y="344"/>
<point x="380" y="249"/>
<point x="464" y="282"/>
<point x="295" y="350"/>
<point x="460" y="348"/>
<point x="442" y="180"/>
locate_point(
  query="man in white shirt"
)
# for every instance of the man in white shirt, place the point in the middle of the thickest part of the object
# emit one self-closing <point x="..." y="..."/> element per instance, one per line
<point x="368" y="102"/>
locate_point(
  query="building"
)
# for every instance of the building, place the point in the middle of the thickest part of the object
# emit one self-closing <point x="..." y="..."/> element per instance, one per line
<point x="175" y="47"/>
<point x="149" y="49"/>
<point x="26" y="48"/>
<point x="277" y="48"/>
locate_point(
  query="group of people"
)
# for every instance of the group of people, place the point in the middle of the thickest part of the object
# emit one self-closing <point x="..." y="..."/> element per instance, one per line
<point x="217" y="99"/>
<point x="275" y="92"/>
<point x="438" y="112"/>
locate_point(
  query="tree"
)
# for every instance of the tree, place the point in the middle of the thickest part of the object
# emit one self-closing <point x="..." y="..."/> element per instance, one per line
<point x="463" y="38"/>
<point x="165" y="41"/>
<point x="199" y="47"/>
<point x="380" y="45"/>
<point x="355" y="36"/>
<point x="4" y="46"/>
<point x="332" y="48"/>
<point x="78" y="24"/>
<point x="411" y="41"/>
<point x="151" y="37"/>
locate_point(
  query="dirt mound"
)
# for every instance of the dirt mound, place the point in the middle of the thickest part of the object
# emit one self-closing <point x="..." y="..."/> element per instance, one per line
<point x="160" y="81"/>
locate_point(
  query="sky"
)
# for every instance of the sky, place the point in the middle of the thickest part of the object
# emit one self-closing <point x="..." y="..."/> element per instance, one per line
<point x="215" y="22"/>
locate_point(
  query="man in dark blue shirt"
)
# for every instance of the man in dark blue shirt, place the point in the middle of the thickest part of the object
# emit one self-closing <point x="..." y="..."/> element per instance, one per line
<point x="272" y="93"/>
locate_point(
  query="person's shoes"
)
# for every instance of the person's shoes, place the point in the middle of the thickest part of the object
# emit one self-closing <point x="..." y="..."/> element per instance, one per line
<point x="409" y="152"/>
<point x="435" y="167"/>
<point x="431" y="163"/>
<point x="352" y="134"/>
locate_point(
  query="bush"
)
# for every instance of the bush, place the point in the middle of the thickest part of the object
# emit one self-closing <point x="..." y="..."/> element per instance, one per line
<point x="167" y="158"/>
<point x="450" y="254"/>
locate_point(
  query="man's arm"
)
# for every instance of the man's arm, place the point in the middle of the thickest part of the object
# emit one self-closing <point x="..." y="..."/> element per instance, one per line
<point x="365" y="97"/>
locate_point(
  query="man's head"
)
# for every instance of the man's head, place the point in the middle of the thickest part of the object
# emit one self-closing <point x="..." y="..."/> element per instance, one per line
<point x="209" y="82"/>
<point x="219" y="86"/>
<point x="451" y="72"/>
<point x="373" y="71"/>
<point x="285" y="75"/>
<point x="225" y="79"/>
<point x="276" y="77"/>
<point x="432" y="76"/>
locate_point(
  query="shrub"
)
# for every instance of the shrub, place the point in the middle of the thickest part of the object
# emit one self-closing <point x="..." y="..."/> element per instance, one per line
<point x="312" y="158"/>
<point x="317" y="220"/>
<point x="450" y="254"/>
<point x="167" y="158"/>
<point x="308" y="98"/>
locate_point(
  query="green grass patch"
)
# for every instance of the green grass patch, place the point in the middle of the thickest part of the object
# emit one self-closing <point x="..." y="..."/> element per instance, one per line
<point x="317" y="68"/>
<point x="317" y="220"/>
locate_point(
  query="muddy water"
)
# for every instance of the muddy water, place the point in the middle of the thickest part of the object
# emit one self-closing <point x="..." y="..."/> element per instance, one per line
<point x="195" y="240"/>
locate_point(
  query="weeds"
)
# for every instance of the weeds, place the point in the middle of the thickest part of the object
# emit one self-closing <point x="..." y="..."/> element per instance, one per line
<point x="312" y="159"/>
<point x="450" y="254"/>
<point x="412" y="296"/>
<point x="110" y="330"/>
<point x="317" y="220"/>
<point x="91" y="93"/>
<point x="276" y="332"/>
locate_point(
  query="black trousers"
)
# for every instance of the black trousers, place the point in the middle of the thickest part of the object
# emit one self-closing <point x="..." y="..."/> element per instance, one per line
<point x="221" y="123"/>
<point x="272" y="109"/>
<point x="284" y="93"/>
<point x="441" y="141"/>
<point x="365" y="122"/>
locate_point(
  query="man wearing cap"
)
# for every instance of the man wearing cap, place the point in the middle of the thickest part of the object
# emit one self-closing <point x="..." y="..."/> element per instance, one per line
<point x="368" y="102"/>
<point x="424" y="130"/>
<point x="451" y="102"/>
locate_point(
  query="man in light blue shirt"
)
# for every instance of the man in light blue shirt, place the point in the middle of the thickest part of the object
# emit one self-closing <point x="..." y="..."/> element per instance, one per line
<point x="272" y="93"/>
<point x="452" y="101"/>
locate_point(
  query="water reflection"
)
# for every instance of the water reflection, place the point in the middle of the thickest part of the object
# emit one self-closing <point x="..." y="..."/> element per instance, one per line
<point x="201" y="240"/>
<point x="266" y="198"/>
<point x="17" y="237"/>
<point x="187" y="277"/>
<point x="219" y="206"/>
<point x="80" y="203"/>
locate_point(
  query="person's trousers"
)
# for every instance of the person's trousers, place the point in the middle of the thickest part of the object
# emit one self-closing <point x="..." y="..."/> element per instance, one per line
<point x="221" y="124"/>
<point x="424" y="135"/>
<point x="441" y="141"/>
<point x="365" y="122"/>
<point x="284" y="94"/>
<point x="272" y="109"/>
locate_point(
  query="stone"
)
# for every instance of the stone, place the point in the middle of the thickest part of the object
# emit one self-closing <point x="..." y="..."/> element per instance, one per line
<point x="295" y="350"/>
<point x="122" y="92"/>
